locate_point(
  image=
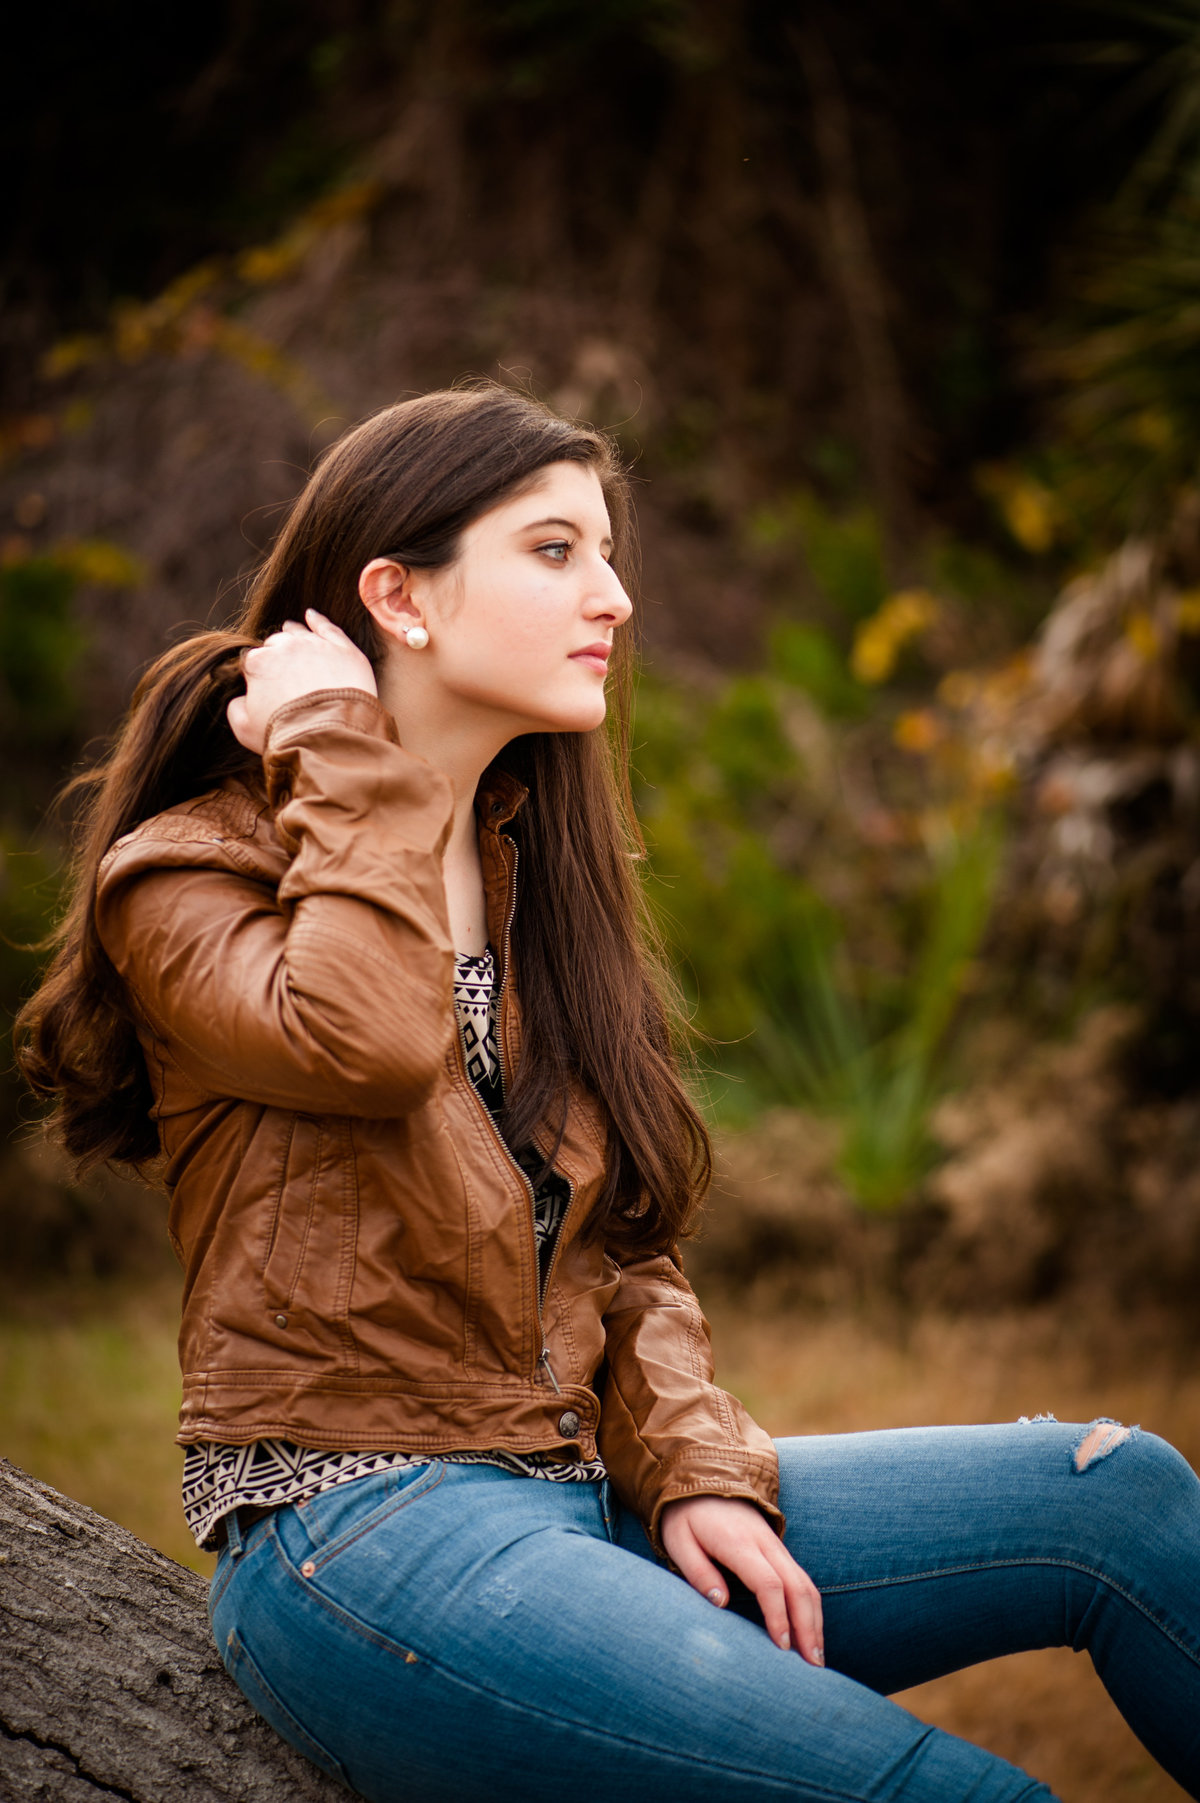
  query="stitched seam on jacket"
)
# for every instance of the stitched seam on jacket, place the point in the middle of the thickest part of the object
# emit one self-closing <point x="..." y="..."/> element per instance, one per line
<point x="277" y="1202"/>
<point x="314" y="1183"/>
<point x="349" y="1246"/>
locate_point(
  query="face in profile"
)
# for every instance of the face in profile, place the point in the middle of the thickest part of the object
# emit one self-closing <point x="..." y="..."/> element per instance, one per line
<point x="520" y="625"/>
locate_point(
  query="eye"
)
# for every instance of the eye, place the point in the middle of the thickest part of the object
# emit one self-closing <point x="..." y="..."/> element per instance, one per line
<point x="557" y="549"/>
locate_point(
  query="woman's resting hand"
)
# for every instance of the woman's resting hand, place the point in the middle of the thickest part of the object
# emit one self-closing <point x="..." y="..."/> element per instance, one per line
<point x="696" y="1530"/>
<point x="297" y="660"/>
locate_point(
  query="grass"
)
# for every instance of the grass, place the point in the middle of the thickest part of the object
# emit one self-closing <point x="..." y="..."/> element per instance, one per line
<point x="89" y="1391"/>
<point x="817" y="1045"/>
<point x="89" y="1394"/>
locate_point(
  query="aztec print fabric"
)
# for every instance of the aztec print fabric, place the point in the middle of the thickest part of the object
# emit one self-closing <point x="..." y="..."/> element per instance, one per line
<point x="270" y="1473"/>
<point x="474" y="1004"/>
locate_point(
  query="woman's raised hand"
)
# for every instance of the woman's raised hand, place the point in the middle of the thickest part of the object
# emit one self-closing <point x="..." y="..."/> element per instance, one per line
<point x="295" y="661"/>
<point x="696" y="1530"/>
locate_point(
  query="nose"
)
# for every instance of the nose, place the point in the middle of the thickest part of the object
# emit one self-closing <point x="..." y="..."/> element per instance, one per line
<point x="608" y="599"/>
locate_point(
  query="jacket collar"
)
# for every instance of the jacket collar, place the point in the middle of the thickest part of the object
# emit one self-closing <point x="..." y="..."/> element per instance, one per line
<point x="498" y="798"/>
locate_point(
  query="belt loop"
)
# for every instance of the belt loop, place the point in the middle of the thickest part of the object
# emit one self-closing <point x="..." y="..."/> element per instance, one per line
<point x="233" y="1535"/>
<point x="606" y="1508"/>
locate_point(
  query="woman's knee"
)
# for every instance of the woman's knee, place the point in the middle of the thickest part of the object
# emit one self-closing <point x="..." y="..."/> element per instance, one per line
<point x="1144" y="1461"/>
<point x="1137" y="1507"/>
<point x="1156" y="1477"/>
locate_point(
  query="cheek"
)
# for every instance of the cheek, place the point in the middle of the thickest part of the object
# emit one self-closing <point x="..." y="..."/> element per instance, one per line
<point x="532" y="622"/>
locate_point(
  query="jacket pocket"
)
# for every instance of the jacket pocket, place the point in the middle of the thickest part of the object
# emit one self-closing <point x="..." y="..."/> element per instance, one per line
<point x="309" y="1255"/>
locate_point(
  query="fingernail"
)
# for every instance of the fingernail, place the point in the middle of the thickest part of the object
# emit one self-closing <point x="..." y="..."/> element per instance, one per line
<point x="785" y="1640"/>
<point x="818" y="1655"/>
<point x="716" y="1596"/>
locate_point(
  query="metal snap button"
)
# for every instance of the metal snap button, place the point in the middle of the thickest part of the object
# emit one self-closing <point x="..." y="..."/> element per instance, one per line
<point x="568" y="1424"/>
<point x="281" y="1320"/>
<point x="307" y="1569"/>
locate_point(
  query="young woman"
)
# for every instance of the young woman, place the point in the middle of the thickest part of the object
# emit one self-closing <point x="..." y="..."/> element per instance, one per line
<point x="357" y="956"/>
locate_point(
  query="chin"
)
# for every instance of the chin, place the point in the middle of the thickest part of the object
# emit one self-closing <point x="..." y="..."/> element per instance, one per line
<point x="581" y="714"/>
<point x="582" y="720"/>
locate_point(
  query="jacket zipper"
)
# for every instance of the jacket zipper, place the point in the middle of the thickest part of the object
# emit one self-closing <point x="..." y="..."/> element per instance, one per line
<point x="543" y="1358"/>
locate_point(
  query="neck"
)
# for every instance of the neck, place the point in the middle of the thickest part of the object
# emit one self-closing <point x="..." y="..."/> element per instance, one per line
<point x="461" y="746"/>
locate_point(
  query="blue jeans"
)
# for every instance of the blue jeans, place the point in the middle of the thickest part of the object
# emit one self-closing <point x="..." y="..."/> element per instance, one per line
<point x="457" y="1632"/>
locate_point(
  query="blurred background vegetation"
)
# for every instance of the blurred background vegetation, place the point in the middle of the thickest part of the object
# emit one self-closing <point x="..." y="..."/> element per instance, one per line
<point x="896" y="311"/>
<point x="896" y="316"/>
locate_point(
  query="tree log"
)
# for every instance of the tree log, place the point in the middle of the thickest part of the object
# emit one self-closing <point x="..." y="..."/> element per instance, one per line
<point x="110" y="1684"/>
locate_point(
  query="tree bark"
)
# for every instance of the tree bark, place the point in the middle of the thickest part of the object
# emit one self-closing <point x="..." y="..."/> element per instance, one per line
<point x="110" y="1684"/>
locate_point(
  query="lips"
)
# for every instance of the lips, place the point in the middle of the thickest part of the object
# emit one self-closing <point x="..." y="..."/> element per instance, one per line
<point x="595" y="656"/>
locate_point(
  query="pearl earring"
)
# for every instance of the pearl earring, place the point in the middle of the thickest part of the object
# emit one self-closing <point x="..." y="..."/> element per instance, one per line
<point x="417" y="637"/>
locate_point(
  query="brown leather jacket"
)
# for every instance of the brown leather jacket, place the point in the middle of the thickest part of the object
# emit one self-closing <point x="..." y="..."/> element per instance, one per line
<point x="357" y="1243"/>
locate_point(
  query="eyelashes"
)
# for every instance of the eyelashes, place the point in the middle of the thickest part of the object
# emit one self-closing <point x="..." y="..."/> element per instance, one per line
<point x="565" y="546"/>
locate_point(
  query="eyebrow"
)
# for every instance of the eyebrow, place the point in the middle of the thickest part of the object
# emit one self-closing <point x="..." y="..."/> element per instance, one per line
<point x="571" y="526"/>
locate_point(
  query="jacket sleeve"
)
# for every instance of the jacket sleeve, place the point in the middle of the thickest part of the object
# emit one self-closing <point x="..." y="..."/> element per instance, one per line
<point x="666" y="1430"/>
<point x="334" y="991"/>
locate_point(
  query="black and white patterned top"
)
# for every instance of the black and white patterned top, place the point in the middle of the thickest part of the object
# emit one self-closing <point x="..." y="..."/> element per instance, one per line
<point x="474" y="1004"/>
<point x="269" y="1473"/>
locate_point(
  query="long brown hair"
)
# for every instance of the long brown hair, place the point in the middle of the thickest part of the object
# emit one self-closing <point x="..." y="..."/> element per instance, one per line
<point x="597" y="998"/>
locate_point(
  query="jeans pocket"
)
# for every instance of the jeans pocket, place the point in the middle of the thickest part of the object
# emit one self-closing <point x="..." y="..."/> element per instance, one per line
<point x="335" y="1518"/>
<point x="263" y="1700"/>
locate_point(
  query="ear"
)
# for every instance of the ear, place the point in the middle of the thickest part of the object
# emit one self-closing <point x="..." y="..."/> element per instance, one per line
<point x="384" y="587"/>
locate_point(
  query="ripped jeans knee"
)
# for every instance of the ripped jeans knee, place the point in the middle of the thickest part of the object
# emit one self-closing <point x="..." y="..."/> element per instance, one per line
<point x="1099" y="1442"/>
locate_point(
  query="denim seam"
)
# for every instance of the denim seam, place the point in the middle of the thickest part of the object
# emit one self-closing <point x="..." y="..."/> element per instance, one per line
<point x="398" y="1650"/>
<point x="240" y="1655"/>
<point x="215" y="1595"/>
<point x="954" y="1571"/>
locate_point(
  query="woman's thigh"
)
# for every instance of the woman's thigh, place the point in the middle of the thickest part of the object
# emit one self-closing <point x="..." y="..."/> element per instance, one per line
<point x="462" y="1633"/>
<point x="934" y="1548"/>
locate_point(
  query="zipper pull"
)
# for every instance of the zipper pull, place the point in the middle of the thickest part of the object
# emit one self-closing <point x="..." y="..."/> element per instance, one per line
<point x="545" y="1360"/>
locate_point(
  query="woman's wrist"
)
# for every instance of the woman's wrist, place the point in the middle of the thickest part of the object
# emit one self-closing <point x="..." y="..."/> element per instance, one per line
<point x="289" y="666"/>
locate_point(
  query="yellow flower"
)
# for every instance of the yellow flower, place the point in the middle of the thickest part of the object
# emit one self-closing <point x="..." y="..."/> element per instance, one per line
<point x="1143" y="635"/>
<point x="918" y="732"/>
<point x="880" y="640"/>
<point x="346" y="203"/>
<point x="1029" y="509"/>
<point x="99" y="561"/>
<point x="1187" y="611"/>
<point x="958" y="689"/>
<point x="269" y="263"/>
<point x="70" y="354"/>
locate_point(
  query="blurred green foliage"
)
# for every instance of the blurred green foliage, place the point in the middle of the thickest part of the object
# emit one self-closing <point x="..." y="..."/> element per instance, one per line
<point x="1116" y="360"/>
<point x="843" y="550"/>
<point x="43" y="675"/>
<point x="40" y="647"/>
<point x="847" y="1008"/>
<point x="1051" y="356"/>
<point x="806" y="657"/>
<point x="877" y="1059"/>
